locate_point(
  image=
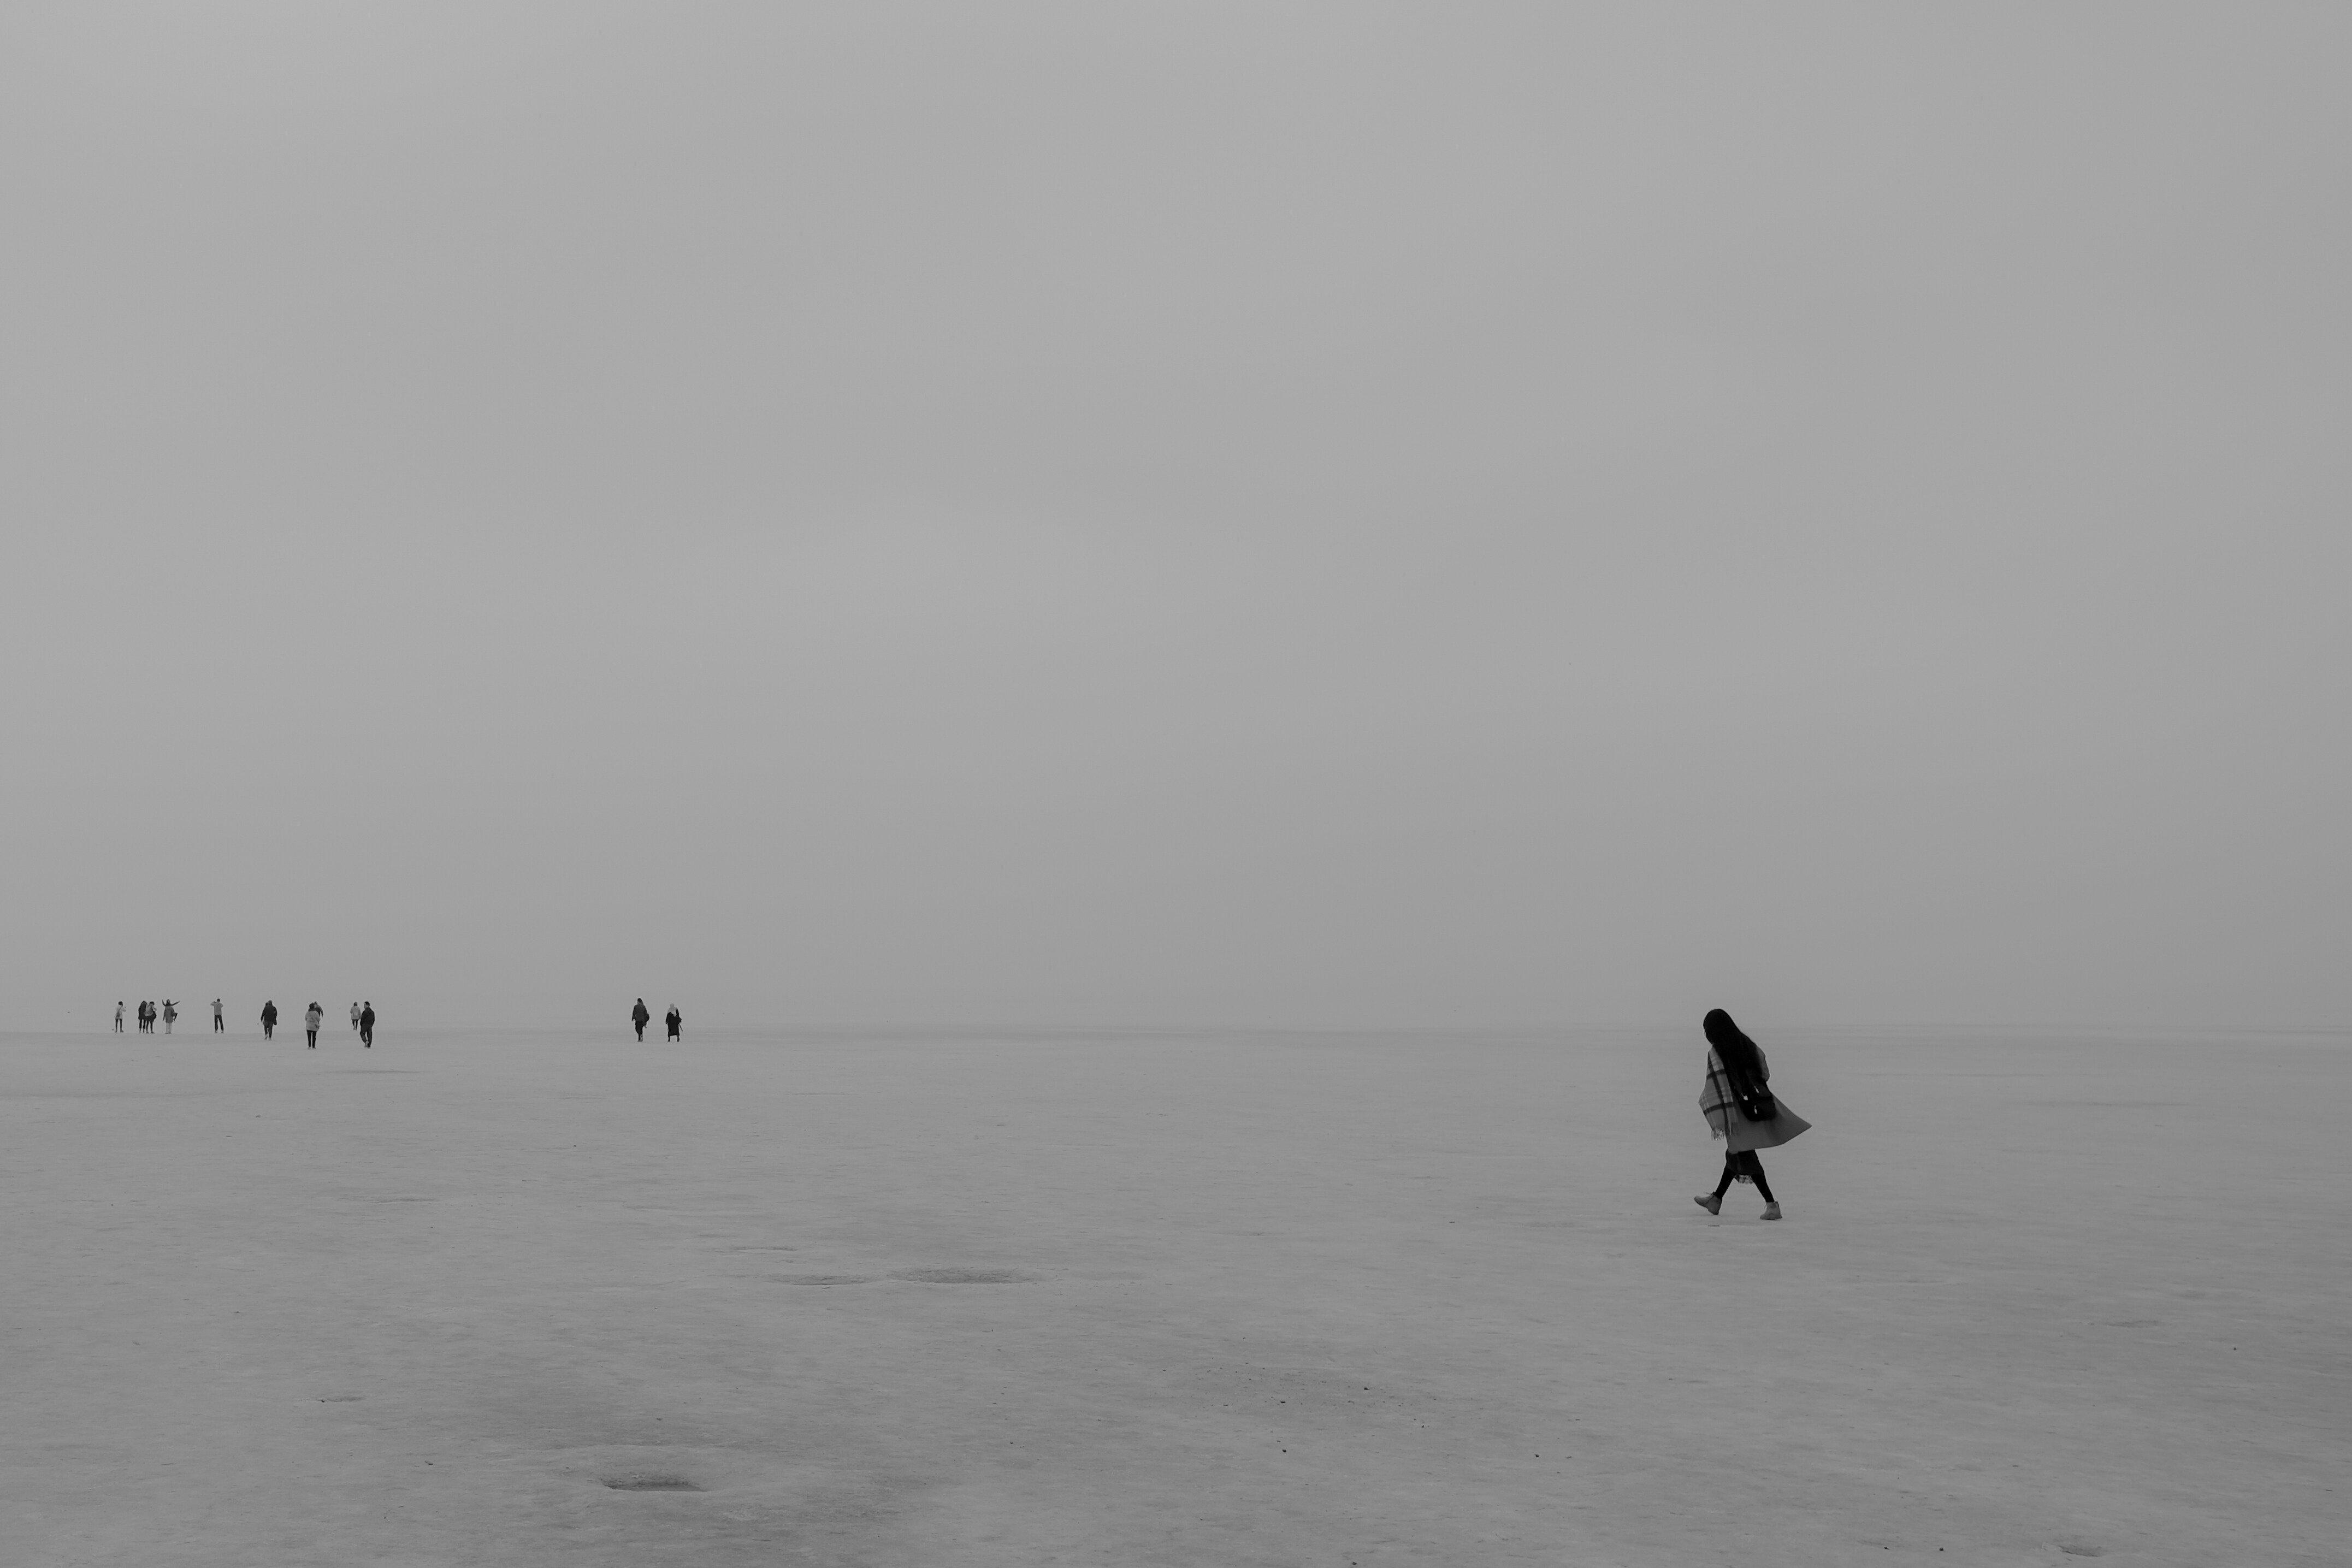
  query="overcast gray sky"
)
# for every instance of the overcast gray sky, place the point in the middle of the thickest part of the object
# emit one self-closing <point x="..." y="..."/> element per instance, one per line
<point x="1308" y="515"/>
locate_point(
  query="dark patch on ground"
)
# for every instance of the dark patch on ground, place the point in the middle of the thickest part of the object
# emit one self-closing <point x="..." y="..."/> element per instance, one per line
<point x="965" y="1276"/>
<point x="821" y="1278"/>
<point x="650" y="1483"/>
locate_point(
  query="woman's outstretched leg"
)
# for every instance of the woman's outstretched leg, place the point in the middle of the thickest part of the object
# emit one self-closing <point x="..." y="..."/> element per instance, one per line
<point x="1713" y="1201"/>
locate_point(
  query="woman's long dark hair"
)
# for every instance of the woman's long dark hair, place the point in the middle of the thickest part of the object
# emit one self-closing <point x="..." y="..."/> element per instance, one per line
<point x="1741" y="1062"/>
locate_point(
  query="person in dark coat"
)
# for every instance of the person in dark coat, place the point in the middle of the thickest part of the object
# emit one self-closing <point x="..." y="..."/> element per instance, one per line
<point x="1741" y="1111"/>
<point x="268" y="1019"/>
<point x="676" y="1020"/>
<point x="367" y="1025"/>
<point x="639" y="1017"/>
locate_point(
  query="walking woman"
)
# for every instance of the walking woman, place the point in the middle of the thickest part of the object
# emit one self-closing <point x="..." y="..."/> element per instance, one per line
<point x="1741" y="1111"/>
<point x="311" y="1019"/>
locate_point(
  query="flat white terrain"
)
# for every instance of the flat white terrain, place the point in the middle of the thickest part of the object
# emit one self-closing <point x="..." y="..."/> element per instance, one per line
<point x="474" y="1300"/>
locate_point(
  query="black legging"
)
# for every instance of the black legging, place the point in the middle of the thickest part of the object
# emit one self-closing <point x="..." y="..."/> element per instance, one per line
<point x="1743" y="1163"/>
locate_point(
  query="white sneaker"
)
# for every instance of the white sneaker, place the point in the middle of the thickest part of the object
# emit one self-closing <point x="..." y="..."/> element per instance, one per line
<point x="1710" y="1202"/>
<point x="1773" y="1211"/>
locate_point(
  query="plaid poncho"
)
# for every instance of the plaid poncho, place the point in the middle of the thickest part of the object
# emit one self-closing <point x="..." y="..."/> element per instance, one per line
<point x="1716" y="1102"/>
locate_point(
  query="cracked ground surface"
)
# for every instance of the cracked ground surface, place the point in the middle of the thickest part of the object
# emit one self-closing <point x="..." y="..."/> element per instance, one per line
<point x="1168" y="1299"/>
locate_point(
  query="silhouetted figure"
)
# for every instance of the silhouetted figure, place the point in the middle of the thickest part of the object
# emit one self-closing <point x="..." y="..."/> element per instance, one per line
<point x="268" y="1020"/>
<point x="312" y="1016"/>
<point x="118" y="1017"/>
<point x="675" y="1019"/>
<point x="367" y="1026"/>
<point x="639" y="1017"/>
<point x="170" y="1014"/>
<point x="146" y="1015"/>
<point x="218" y="1026"/>
<point x="1741" y="1111"/>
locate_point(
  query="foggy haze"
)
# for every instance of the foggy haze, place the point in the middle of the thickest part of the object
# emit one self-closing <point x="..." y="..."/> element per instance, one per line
<point x="1198" y="514"/>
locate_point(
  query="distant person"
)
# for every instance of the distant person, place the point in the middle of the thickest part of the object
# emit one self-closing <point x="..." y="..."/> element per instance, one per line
<point x="142" y="1015"/>
<point x="675" y="1019"/>
<point x="118" y="1017"/>
<point x="1741" y="1111"/>
<point x="170" y="1014"/>
<point x="268" y="1020"/>
<point x="367" y="1026"/>
<point x="218" y="1026"/>
<point x="312" y="1016"/>
<point x="639" y="1017"/>
<point x="355" y="1016"/>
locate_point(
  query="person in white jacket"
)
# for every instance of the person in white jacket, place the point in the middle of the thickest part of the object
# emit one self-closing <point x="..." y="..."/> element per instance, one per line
<point x="311" y="1020"/>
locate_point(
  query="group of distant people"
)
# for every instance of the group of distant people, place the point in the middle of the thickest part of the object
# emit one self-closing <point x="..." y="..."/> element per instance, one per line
<point x="313" y="1016"/>
<point x="363" y="1019"/>
<point x="168" y="1013"/>
<point x="639" y="1017"/>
